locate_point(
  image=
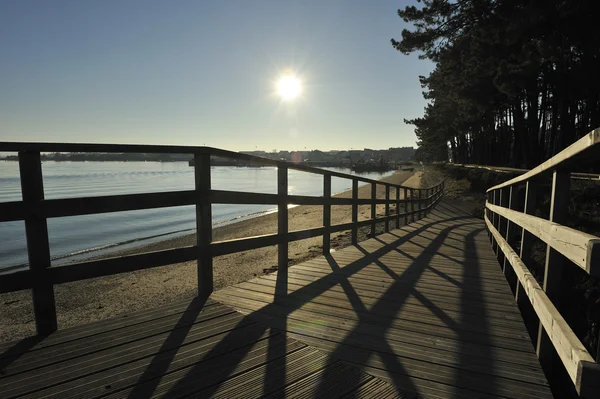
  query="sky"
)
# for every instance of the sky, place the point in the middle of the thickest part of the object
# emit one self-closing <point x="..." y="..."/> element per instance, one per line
<point x="205" y="73"/>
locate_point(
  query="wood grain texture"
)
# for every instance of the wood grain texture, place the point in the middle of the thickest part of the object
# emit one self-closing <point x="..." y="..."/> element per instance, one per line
<point x="559" y="160"/>
<point x="425" y="308"/>
<point x="577" y="246"/>
<point x="569" y="348"/>
<point x="197" y="348"/>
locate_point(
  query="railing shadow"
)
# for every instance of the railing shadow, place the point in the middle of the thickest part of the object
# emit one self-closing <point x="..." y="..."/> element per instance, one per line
<point x="161" y="361"/>
<point x="14" y="352"/>
<point x="275" y="369"/>
<point x="388" y="306"/>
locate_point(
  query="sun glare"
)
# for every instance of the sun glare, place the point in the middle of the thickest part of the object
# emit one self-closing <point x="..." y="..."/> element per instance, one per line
<point x="289" y="87"/>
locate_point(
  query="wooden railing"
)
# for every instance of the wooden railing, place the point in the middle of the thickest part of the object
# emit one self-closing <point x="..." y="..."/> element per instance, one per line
<point x="506" y="211"/>
<point x="35" y="210"/>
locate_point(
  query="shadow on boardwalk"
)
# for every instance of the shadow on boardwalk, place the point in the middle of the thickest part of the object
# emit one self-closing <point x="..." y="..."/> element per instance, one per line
<point x="377" y="331"/>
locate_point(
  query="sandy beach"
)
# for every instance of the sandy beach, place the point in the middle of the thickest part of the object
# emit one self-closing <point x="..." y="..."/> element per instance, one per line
<point x="96" y="299"/>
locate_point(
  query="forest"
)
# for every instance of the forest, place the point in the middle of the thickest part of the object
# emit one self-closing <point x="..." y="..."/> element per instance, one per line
<point x="514" y="82"/>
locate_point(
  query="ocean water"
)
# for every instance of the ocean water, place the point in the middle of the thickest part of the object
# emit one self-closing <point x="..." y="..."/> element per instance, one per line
<point x="81" y="236"/>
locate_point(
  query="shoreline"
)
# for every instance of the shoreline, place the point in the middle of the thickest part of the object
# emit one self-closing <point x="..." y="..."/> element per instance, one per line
<point x="95" y="299"/>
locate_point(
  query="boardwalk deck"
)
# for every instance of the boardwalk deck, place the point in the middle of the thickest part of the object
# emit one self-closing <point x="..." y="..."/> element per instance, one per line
<point x="421" y="310"/>
<point x="190" y="349"/>
<point x="425" y="307"/>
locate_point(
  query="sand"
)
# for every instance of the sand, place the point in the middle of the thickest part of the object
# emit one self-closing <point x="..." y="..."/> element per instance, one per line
<point x="100" y="298"/>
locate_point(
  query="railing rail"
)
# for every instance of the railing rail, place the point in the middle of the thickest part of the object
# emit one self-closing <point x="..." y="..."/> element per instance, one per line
<point x="504" y="213"/>
<point x="34" y="209"/>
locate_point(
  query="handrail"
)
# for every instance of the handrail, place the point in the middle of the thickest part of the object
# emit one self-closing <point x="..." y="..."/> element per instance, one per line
<point x="560" y="160"/>
<point x="505" y="211"/>
<point x="34" y="209"/>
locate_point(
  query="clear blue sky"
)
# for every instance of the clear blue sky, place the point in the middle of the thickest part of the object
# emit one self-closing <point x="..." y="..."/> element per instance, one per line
<point x="200" y="72"/>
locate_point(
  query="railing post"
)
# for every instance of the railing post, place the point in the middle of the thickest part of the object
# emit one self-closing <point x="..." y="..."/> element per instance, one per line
<point x="387" y="208"/>
<point x="203" y="224"/>
<point x="397" y="207"/>
<point x="38" y="247"/>
<point x="354" y="211"/>
<point x="405" y="206"/>
<point x="282" y="217"/>
<point x="510" y="239"/>
<point x="373" y="208"/>
<point x="529" y="316"/>
<point x="555" y="264"/>
<point x="529" y="209"/>
<point x="326" y="214"/>
<point x="502" y="222"/>
<point x="494" y="219"/>
<point x="412" y="203"/>
<point x="420" y="204"/>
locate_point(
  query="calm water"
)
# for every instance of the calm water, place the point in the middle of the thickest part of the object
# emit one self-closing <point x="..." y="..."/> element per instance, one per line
<point x="78" y="235"/>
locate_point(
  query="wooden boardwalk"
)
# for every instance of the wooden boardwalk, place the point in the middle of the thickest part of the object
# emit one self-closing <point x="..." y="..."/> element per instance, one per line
<point x="425" y="307"/>
<point x="421" y="311"/>
<point x="191" y="349"/>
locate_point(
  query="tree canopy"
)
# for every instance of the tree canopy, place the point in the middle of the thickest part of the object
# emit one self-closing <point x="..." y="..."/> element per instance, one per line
<point x="514" y="83"/>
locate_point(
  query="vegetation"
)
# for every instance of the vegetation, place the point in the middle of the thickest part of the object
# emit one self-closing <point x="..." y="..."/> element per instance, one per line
<point x="514" y="82"/>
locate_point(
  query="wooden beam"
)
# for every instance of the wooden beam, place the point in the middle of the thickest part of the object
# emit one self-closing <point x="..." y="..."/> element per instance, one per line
<point x="581" y="248"/>
<point x="420" y="204"/>
<point x="387" y="208"/>
<point x="16" y="281"/>
<point x="326" y="214"/>
<point x="555" y="265"/>
<point x="397" y="207"/>
<point x="373" y="208"/>
<point x="38" y="247"/>
<point x="406" y="206"/>
<point x="587" y="383"/>
<point x="570" y="350"/>
<point x="354" y="211"/>
<point x="110" y="266"/>
<point x="226" y="247"/>
<point x="11" y="211"/>
<point x="510" y="234"/>
<point x="412" y="203"/>
<point x="203" y="224"/>
<point x="565" y="156"/>
<point x="282" y="217"/>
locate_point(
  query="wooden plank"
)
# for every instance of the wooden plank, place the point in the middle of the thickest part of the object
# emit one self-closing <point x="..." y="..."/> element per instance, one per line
<point x="568" y="155"/>
<point x="412" y="203"/>
<point x="38" y="247"/>
<point x="326" y="213"/>
<point x="114" y="337"/>
<point x="320" y="309"/>
<point x="115" y="203"/>
<point x="387" y="208"/>
<point x="206" y="376"/>
<point x="398" y="207"/>
<point x="354" y="211"/>
<point x="123" y="264"/>
<point x="282" y="217"/>
<point x="406" y="206"/>
<point x="114" y="323"/>
<point x="373" y="208"/>
<point x="579" y="247"/>
<point x="225" y="247"/>
<point x="13" y="210"/>
<point x="411" y="362"/>
<point x="555" y="266"/>
<point x="203" y="224"/>
<point x="570" y="350"/>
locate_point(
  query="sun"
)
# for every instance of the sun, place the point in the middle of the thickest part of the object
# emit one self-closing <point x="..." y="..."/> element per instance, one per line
<point x="289" y="87"/>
